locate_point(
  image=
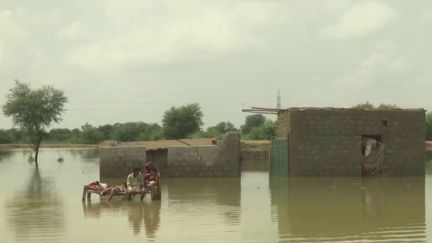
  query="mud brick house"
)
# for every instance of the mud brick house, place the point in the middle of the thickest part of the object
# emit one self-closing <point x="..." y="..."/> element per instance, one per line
<point x="350" y="142"/>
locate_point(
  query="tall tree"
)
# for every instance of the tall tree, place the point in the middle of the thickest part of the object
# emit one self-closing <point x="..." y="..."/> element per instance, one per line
<point x="179" y="122"/>
<point x="266" y="131"/>
<point x="251" y="122"/>
<point x="34" y="110"/>
<point x="90" y="134"/>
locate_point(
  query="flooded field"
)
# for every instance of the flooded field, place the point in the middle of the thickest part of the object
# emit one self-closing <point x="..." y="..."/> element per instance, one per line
<point x="45" y="206"/>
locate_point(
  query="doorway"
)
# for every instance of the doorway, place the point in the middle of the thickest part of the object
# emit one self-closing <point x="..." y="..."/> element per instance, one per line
<point x="372" y="151"/>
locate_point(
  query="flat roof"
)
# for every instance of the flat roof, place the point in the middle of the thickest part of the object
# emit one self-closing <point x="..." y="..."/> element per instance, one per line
<point x="164" y="144"/>
<point x="348" y="109"/>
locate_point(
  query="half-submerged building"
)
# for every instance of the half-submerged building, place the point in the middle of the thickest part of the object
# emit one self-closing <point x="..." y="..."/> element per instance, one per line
<point x="349" y="142"/>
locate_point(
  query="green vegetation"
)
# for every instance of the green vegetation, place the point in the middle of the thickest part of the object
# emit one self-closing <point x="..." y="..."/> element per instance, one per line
<point x="217" y="131"/>
<point x="178" y="122"/>
<point x="183" y="121"/>
<point x="252" y="121"/>
<point x="370" y="107"/>
<point x="257" y="127"/>
<point x="267" y="131"/>
<point x="133" y="131"/>
<point x="34" y="110"/>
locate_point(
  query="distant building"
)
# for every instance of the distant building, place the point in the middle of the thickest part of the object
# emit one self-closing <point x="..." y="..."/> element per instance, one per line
<point x="350" y="142"/>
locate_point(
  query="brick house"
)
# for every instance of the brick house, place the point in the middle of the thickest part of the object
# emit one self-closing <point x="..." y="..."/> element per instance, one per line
<point x="353" y="142"/>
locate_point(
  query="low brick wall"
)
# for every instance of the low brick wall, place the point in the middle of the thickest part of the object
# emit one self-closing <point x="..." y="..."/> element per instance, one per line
<point x="117" y="162"/>
<point x="255" y="155"/>
<point x="182" y="161"/>
<point x="205" y="161"/>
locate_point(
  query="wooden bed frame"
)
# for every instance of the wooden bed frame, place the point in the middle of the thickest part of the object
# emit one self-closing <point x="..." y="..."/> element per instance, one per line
<point x="154" y="190"/>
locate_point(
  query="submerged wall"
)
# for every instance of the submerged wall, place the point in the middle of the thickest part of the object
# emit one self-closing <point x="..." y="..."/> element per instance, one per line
<point x="218" y="160"/>
<point x="329" y="141"/>
<point x="117" y="162"/>
<point x="206" y="161"/>
<point x="255" y="155"/>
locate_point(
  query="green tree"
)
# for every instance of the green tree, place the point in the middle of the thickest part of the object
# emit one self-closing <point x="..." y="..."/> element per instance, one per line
<point x="59" y="135"/>
<point x="5" y="137"/>
<point x="34" y="110"/>
<point x="179" y="122"/>
<point x="153" y="132"/>
<point x="429" y="126"/>
<point x="364" y="106"/>
<point x="387" y="107"/>
<point x="370" y="107"/>
<point x="107" y="131"/>
<point x="90" y="134"/>
<point x="18" y="136"/>
<point x="134" y="131"/>
<point x="251" y="122"/>
<point x="216" y="131"/>
<point x="264" y="132"/>
<point x="221" y="128"/>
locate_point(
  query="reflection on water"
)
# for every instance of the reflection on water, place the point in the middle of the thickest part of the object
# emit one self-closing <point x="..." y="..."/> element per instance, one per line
<point x="36" y="212"/>
<point x="87" y="154"/>
<point x="194" y="196"/>
<point x="45" y="206"/>
<point x="343" y="209"/>
<point x="4" y="154"/>
<point x="140" y="215"/>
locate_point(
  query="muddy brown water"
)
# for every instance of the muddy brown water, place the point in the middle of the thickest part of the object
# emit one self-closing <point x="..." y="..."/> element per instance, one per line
<point x="45" y="206"/>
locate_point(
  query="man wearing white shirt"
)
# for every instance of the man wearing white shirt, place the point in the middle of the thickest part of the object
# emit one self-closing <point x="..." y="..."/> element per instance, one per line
<point x="135" y="182"/>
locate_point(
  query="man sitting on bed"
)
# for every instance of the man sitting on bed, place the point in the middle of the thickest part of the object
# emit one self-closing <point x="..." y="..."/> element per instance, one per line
<point x="135" y="182"/>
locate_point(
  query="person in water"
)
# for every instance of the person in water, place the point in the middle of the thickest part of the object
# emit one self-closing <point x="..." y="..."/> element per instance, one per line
<point x="151" y="173"/>
<point x="151" y="178"/>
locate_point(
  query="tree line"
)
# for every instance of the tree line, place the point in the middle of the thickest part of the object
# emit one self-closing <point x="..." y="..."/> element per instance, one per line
<point x="255" y="127"/>
<point x="33" y="111"/>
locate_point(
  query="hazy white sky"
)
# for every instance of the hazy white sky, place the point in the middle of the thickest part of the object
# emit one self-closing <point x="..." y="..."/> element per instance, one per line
<point x="130" y="60"/>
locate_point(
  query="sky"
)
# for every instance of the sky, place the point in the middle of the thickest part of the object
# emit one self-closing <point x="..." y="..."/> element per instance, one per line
<point x="121" y="61"/>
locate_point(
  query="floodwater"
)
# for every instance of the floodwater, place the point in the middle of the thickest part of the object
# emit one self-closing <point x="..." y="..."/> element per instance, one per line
<point x="45" y="206"/>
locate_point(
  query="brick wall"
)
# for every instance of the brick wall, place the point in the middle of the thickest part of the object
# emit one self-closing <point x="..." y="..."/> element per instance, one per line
<point x="206" y="161"/>
<point x="283" y="123"/>
<point x="117" y="162"/>
<point x="255" y="155"/>
<point x="328" y="142"/>
<point x="188" y="161"/>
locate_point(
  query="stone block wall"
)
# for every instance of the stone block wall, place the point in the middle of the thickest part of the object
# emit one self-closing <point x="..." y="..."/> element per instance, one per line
<point x="219" y="160"/>
<point x="255" y="155"/>
<point x="206" y="161"/>
<point x="283" y="123"/>
<point x="329" y="141"/>
<point x="117" y="162"/>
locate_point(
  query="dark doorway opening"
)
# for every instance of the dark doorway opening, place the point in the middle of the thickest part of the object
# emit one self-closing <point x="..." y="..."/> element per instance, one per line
<point x="372" y="151"/>
<point x="159" y="157"/>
